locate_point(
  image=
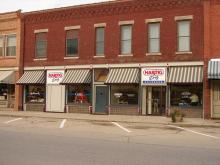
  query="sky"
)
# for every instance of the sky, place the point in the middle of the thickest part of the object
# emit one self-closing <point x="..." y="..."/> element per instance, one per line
<point x="33" y="5"/>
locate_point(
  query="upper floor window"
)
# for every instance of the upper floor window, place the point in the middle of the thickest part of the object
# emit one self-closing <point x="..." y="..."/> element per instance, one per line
<point x="11" y="45"/>
<point x="154" y="37"/>
<point x="183" y="36"/>
<point x="126" y="39"/>
<point x="72" y="42"/>
<point x="41" y="45"/>
<point x="100" y="41"/>
<point x="1" y="46"/>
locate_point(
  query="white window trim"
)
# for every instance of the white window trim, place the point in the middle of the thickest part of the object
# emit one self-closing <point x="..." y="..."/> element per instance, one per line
<point x="125" y="55"/>
<point x="41" y="31"/>
<point x="154" y="54"/>
<point x="68" y="58"/>
<point x="72" y="27"/>
<point x="40" y="59"/>
<point x="130" y="22"/>
<point x="154" y="20"/>
<point x="183" y="52"/>
<point x="181" y="18"/>
<point x="99" y="25"/>
<point x="99" y="56"/>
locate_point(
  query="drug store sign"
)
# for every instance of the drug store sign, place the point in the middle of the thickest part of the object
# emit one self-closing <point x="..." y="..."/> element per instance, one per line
<point x="153" y="76"/>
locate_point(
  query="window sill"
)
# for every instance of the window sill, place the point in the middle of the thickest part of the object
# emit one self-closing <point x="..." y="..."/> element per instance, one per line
<point x="154" y="54"/>
<point x="40" y="59"/>
<point x="125" y="55"/>
<point x="99" y="56"/>
<point x="7" y="57"/>
<point x="68" y="58"/>
<point x="183" y="53"/>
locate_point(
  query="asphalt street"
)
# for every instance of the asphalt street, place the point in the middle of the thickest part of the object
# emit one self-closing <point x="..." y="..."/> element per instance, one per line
<point x="37" y="141"/>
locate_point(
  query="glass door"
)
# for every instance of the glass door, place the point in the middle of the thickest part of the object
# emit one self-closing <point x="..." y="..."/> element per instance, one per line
<point x="158" y="100"/>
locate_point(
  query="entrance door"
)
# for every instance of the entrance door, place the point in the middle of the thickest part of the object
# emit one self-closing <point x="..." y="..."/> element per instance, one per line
<point x="101" y="99"/>
<point x="216" y="99"/>
<point x="156" y="100"/>
<point x="55" y="99"/>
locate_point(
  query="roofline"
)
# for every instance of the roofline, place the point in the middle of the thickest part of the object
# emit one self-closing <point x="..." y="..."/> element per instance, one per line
<point x="76" y="6"/>
<point x="11" y="12"/>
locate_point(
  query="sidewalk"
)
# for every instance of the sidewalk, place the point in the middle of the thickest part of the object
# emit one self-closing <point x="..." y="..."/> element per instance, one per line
<point x="194" y="122"/>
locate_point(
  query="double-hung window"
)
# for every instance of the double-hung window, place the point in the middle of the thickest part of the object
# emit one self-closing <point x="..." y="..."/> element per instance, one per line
<point x="72" y="43"/>
<point x="154" y="37"/>
<point x="100" y="41"/>
<point x="11" y="45"/>
<point x="41" y="45"/>
<point x="183" y="36"/>
<point x="126" y="39"/>
<point x="1" y="46"/>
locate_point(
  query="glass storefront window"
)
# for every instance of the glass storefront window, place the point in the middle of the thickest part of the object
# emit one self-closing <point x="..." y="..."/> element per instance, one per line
<point x="7" y="91"/>
<point x="80" y="94"/>
<point x="35" y="94"/>
<point x="124" y="94"/>
<point x="186" y="95"/>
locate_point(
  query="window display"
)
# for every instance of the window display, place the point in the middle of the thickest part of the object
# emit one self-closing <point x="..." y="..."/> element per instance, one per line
<point x="186" y="96"/>
<point x="79" y="94"/>
<point x="35" y="94"/>
<point x="6" y="91"/>
<point x="124" y="94"/>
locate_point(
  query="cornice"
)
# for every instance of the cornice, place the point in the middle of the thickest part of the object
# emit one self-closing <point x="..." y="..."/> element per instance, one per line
<point x="105" y="9"/>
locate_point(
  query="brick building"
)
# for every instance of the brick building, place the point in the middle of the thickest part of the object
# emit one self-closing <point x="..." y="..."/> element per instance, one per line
<point x="10" y="26"/>
<point x="123" y="57"/>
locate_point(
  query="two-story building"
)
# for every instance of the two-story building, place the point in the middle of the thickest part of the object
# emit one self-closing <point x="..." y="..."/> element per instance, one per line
<point x="10" y="28"/>
<point x="123" y="57"/>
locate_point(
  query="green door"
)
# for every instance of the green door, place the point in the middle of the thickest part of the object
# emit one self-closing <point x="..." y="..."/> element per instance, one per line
<point x="101" y="99"/>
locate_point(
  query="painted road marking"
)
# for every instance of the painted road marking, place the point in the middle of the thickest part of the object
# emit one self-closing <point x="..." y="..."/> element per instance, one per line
<point x="189" y="130"/>
<point x="10" y="121"/>
<point x="62" y="123"/>
<point x="123" y="128"/>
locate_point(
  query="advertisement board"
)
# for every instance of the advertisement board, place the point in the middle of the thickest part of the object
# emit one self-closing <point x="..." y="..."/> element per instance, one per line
<point x="154" y="76"/>
<point x="55" y="77"/>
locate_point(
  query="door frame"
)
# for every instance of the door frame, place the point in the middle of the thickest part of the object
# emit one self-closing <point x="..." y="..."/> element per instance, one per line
<point x="94" y="98"/>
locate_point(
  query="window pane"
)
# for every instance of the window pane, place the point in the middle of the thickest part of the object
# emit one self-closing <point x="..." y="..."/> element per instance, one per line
<point x="126" y="47"/>
<point x="184" y="44"/>
<point x="154" y="30"/>
<point x="1" y="46"/>
<point x="72" y="47"/>
<point x="35" y="94"/>
<point x="11" y="45"/>
<point x="100" y="34"/>
<point x="126" y="32"/>
<point x="184" y="28"/>
<point x="41" y="45"/>
<point x="100" y="48"/>
<point x="154" y="45"/>
<point x="79" y="94"/>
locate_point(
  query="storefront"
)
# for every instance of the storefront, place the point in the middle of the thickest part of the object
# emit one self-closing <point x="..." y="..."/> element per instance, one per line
<point x="186" y="90"/>
<point x="124" y="91"/>
<point x="214" y="79"/>
<point x="34" y="83"/>
<point x="7" y="89"/>
<point x="78" y="90"/>
<point x="153" y="84"/>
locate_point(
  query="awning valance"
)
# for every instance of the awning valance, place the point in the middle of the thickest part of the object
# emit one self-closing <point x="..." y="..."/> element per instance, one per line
<point x="214" y="70"/>
<point x="77" y="76"/>
<point x="7" y="77"/>
<point x="185" y="74"/>
<point x="123" y="76"/>
<point x="33" y="77"/>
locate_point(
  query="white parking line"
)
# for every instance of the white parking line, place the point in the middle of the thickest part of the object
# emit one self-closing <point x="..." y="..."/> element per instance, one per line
<point x="10" y="121"/>
<point x="62" y="123"/>
<point x="123" y="128"/>
<point x="189" y="130"/>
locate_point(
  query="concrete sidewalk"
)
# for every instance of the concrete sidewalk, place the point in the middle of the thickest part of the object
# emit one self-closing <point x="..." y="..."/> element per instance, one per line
<point x="194" y="122"/>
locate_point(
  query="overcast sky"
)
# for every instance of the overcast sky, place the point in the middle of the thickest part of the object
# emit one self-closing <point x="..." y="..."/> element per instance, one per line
<point x="32" y="5"/>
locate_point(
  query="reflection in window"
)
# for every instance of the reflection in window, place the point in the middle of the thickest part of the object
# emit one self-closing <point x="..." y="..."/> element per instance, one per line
<point x="41" y="45"/>
<point x="187" y="95"/>
<point x="100" y="40"/>
<point x="184" y="36"/>
<point x="126" y="39"/>
<point x="124" y="94"/>
<point x="72" y="42"/>
<point x="7" y="91"/>
<point x="35" y="94"/>
<point x="154" y="37"/>
<point x="79" y="94"/>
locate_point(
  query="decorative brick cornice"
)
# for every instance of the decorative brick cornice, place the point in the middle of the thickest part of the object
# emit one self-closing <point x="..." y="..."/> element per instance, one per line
<point x="105" y="9"/>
